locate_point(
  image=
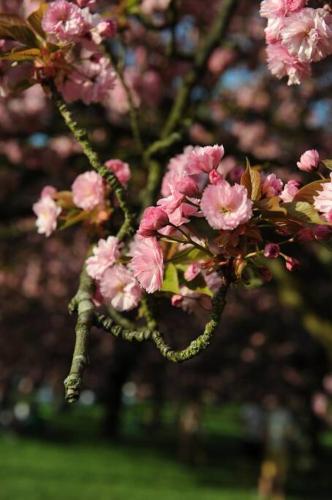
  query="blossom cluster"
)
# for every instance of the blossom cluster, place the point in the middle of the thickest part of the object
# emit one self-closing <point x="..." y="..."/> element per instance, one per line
<point x="296" y="36"/>
<point x="206" y="220"/>
<point x="64" y="44"/>
<point x="87" y="200"/>
<point x="90" y="77"/>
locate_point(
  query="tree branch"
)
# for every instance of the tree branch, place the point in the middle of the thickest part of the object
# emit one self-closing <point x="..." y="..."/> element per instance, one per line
<point x="85" y="309"/>
<point x="177" y="114"/>
<point x="214" y="38"/>
<point x="127" y="228"/>
<point x="150" y="332"/>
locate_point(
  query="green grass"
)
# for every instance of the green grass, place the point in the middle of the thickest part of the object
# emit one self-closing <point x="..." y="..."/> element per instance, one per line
<point x="71" y="461"/>
<point x="36" y="470"/>
<point x="75" y="464"/>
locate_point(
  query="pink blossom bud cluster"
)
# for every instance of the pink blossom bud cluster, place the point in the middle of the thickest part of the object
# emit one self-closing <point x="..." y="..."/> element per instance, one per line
<point x="296" y="36"/>
<point x="76" y="30"/>
<point x="88" y="193"/>
<point x="116" y="283"/>
<point x="205" y="220"/>
<point x="69" y="22"/>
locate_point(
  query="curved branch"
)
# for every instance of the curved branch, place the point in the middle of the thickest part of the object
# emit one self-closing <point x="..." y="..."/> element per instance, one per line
<point x="151" y="333"/>
<point x="200" y="343"/>
<point x="110" y="326"/>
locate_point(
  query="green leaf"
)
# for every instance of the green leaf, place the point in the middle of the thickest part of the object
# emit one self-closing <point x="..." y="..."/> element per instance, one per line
<point x="171" y="280"/>
<point x="251" y="179"/>
<point x="308" y="192"/>
<point x="12" y="27"/>
<point x="74" y="217"/>
<point x="133" y="6"/>
<point x="327" y="164"/>
<point x="21" y="55"/>
<point x="35" y="20"/>
<point x="271" y="205"/>
<point x="305" y="212"/>
<point x="188" y="256"/>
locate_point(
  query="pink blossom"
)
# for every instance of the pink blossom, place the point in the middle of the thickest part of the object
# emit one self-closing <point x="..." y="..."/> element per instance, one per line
<point x="308" y="34"/>
<point x="105" y="253"/>
<point x="47" y="212"/>
<point x="192" y="271"/>
<point x="179" y="212"/>
<point x="320" y="405"/>
<point x="309" y="161"/>
<point x="213" y="280"/>
<point x="205" y="159"/>
<point x="271" y="251"/>
<point x="48" y="191"/>
<point x="154" y="218"/>
<point x="228" y="167"/>
<point x="215" y="177"/>
<point x="291" y="263"/>
<point x="323" y="200"/>
<point x="65" y="20"/>
<point x="118" y="100"/>
<point x="147" y="263"/>
<point x="88" y="190"/>
<point x="191" y="301"/>
<point x="179" y="170"/>
<point x="106" y="28"/>
<point x="226" y="206"/>
<point x="273" y="29"/>
<point x="280" y="8"/>
<point x="119" y="286"/>
<point x="281" y="63"/>
<point x="91" y="81"/>
<point x="289" y="191"/>
<point x="188" y="187"/>
<point x="120" y="169"/>
<point x="272" y="186"/>
<point x="236" y="173"/>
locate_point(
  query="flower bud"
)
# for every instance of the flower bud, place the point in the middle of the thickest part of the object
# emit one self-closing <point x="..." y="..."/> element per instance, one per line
<point x="271" y="251"/>
<point x="154" y="218"/>
<point x="309" y="161"/>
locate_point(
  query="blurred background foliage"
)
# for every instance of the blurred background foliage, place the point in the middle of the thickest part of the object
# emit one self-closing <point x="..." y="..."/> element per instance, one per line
<point x="255" y="409"/>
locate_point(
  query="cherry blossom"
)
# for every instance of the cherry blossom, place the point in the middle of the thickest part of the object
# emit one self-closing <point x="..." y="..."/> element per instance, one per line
<point x="119" y="287"/>
<point x="105" y="254"/>
<point x="225" y="206"/>
<point x="88" y="190"/>
<point x="47" y="212"/>
<point x="147" y="263"/>
<point x="309" y="161"/>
